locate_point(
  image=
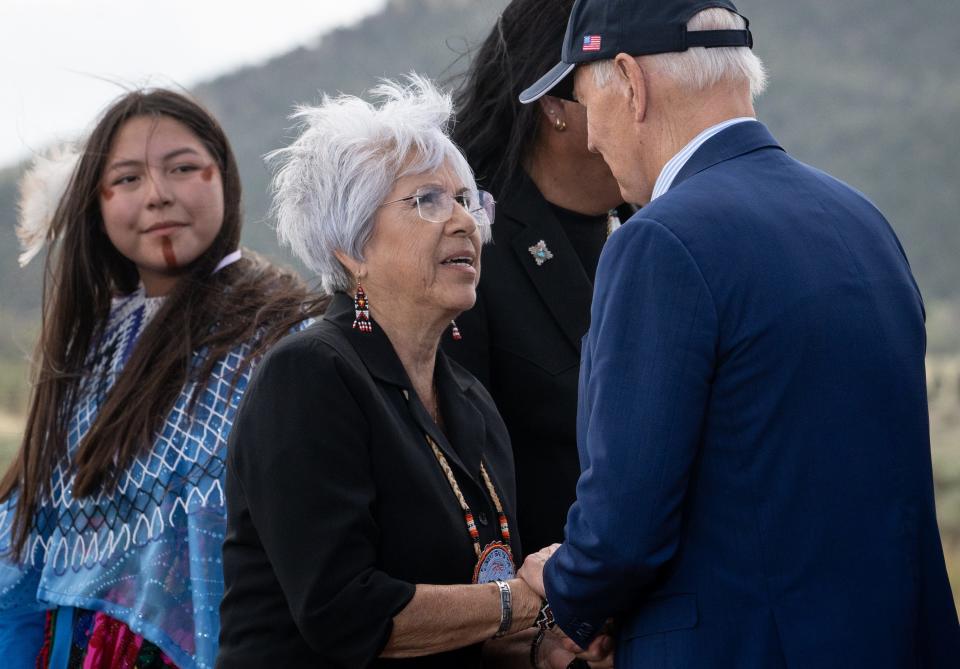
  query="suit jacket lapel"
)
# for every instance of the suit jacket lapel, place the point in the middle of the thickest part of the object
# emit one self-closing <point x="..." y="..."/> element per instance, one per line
<point x="729" y="143"/>
<point x="561" y="282"/>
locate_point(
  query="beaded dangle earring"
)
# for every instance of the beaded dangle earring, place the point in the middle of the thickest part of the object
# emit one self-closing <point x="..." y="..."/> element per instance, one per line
<point x="361" y="308"/>
<point x="456" y="331"/>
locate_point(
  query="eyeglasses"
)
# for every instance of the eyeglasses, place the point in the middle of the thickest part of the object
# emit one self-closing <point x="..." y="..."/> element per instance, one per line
<point x="435" y="205"/>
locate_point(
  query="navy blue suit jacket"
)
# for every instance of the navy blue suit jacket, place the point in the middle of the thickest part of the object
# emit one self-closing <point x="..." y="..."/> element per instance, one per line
<point x="756" y="486"/>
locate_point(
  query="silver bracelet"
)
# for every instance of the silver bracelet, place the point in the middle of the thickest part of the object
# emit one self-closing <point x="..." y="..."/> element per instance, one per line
<point x="506" y="609"/>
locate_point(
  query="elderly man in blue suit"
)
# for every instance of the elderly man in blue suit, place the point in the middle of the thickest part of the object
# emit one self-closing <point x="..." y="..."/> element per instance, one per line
<point x="756" y="485"/>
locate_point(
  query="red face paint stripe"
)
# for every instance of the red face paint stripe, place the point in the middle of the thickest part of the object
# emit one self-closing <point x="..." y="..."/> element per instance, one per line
<point x="107" y="193"/>
<point x="207" y="173"/>
<point x="169" y="256"/>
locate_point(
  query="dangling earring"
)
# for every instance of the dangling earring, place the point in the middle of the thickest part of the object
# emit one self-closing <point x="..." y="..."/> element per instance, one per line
<point x="456" y="331"/>
<point x="361" y="308"/>
<point x="560" y="124"/>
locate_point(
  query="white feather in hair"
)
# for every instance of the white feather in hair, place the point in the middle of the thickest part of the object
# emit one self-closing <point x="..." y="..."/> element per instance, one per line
<point x="41" y="189"/>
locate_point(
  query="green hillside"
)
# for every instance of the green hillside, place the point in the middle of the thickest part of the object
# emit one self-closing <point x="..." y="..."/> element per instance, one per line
<point x="426" y="36"/>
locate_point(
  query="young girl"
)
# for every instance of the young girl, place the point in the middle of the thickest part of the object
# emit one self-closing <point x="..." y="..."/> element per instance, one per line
<point x="112" y="515"/>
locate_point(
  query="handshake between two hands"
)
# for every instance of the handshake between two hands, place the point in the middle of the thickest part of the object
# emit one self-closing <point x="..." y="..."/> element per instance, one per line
<point x="600" y="651"/>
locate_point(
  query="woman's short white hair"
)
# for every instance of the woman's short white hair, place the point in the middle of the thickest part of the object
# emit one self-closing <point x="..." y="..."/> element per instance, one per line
<point x="699" y="68"/>
<point x="330" y="182"/>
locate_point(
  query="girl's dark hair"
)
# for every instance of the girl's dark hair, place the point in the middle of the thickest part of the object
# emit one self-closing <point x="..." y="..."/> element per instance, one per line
<point x="494" y="130"/>
<point x="248" y="300"/>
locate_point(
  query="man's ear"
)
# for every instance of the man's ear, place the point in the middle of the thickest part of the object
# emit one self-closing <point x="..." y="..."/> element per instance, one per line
<point x="635" y="81"/>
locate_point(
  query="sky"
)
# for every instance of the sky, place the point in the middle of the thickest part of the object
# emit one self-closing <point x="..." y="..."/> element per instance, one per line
<point x="63" y="61"/>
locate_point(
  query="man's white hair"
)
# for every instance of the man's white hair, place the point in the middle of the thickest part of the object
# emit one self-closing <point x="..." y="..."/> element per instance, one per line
<point x="330" y="182"/>
<point x="699" y="68"/>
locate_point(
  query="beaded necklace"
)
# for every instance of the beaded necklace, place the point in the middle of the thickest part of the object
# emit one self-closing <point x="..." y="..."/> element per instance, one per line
<point x="496" y="560"/>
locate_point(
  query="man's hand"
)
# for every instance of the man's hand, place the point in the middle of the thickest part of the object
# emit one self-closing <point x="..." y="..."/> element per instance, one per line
<point x="599" y="653"/>
<point x="556" y="652"/>
<point x="532" y="569"/>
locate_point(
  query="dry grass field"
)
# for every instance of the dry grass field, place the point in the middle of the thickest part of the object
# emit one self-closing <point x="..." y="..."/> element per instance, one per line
<point x="943" y="383"/>
<point x="11" y="427"/>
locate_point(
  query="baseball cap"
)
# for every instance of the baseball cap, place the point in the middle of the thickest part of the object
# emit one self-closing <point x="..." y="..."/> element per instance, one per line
<point x="600" y="29"/>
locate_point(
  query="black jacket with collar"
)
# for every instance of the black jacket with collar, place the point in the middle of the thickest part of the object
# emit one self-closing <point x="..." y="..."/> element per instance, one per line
<point x="337" y="505"/>
<point x="522" y="340"/>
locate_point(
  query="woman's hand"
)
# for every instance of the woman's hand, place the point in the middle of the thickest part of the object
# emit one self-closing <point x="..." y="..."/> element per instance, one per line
<point x="532" y="569"/>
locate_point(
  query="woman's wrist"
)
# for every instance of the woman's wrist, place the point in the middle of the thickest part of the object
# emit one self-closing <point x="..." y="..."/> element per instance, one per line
<point x="535" y="646"/>
<point x="526" y="605"/>
<point x="506" y="608"/>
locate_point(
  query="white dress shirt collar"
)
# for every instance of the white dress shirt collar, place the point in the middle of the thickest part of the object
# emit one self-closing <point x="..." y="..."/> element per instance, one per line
<point x="675" y="164"/>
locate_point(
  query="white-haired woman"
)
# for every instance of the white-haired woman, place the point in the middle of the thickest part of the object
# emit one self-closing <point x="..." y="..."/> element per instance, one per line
<point x="370" y="482"/>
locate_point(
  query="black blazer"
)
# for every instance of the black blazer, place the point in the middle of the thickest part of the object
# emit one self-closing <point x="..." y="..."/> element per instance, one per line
<point x="522" y="340"/>
<point x="336" y="505"/>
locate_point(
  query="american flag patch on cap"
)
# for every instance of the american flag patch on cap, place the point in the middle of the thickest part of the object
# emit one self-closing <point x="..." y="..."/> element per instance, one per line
<point x="591" y="42"/>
